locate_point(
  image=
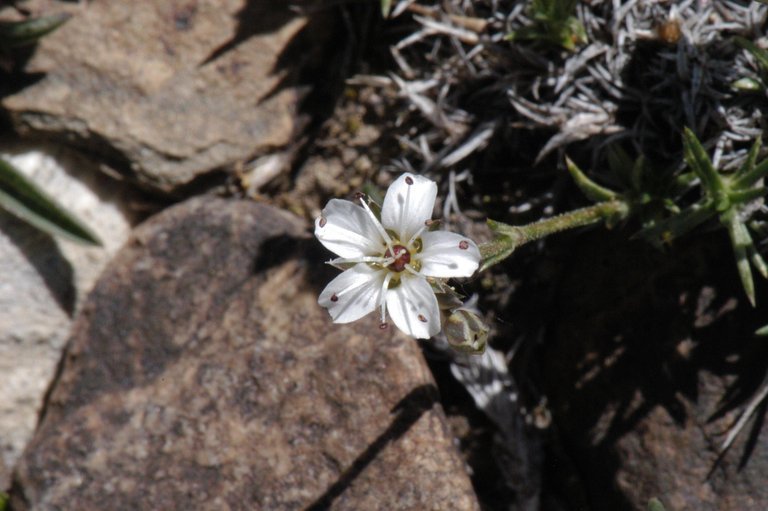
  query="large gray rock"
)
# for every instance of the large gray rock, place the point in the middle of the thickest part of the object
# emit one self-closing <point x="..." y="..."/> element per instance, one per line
<point x="168" y="91"/>
<point x="44" y="280"/>
<point x="202" y="374"/>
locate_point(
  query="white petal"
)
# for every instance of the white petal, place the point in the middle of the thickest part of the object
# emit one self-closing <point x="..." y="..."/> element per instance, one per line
<point x="413" y="307"/>
<point x="347" y="230"/>
<point x="407" y="206"/>
<point x="447" y="254"/>
<point x="353" y="294"/>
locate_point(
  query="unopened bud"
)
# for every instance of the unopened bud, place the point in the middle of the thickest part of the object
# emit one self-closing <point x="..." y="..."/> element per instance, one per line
<point x="466" y="331"/>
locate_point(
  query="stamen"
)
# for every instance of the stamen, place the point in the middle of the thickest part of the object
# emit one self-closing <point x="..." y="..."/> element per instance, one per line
<point x="378" y="225"/>
<point x="463" y="244"/>
<point x="383" y="299"/>
<point x="364" y="259"/>
<point x="422" y="318"/>
<point x="418" y="233"/>
<point x="334" y="298"/>
<point x="383" y="326"/>
<point x="323" y="221"/>
<point x="406" y="208"/>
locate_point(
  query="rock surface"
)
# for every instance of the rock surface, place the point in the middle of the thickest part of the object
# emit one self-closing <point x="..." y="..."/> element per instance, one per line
<point x="169" y="90"/>
<point x="641" y="398"/>
<point x="44" y="281"/>
<point x="203" y="375"/>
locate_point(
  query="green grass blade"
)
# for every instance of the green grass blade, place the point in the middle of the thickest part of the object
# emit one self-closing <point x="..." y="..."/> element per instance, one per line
<point x="23" y="33"/>
<point x="25" y="200"/>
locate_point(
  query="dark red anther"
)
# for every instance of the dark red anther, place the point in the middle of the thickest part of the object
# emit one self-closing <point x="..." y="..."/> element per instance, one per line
<point x="408" y="180"/>
<point x="464" y="244"/>
<point x="422" y="318"/>
<point x="401" y="255"/>
<point x="383" y="326"/>
<point x="334" y="298"/>
<point x="323" y="221"/>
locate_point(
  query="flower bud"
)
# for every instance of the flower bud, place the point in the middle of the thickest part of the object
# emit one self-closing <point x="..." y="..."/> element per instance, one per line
<point x="466" y="331"/>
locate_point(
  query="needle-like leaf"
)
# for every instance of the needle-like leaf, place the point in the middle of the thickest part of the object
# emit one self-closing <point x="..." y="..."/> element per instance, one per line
<point x="24" y="199"/>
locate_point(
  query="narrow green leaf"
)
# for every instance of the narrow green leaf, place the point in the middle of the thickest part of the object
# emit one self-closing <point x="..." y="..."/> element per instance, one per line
<point x="592" y="190"/>
<point x="741" y="241"/>
<point x="758" y="262"/>
<point x="762" y="331"/>
<point x="677" y="225"/>
<point x="23" y="33"/>
<point x="386" y="6"/>
<point x="749" y="164"/>
<point x="698" y="160"/>
<point x="24" y="199"/>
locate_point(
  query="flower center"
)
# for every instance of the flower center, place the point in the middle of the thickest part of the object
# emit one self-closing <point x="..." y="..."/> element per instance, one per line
<point x="401" y="255"/>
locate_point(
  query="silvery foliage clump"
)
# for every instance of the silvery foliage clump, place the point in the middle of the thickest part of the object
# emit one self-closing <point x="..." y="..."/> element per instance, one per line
<point x="663" y="103"/>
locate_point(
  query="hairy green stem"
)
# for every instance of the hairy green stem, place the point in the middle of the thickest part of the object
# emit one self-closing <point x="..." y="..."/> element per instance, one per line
<point x="510" y="237"/>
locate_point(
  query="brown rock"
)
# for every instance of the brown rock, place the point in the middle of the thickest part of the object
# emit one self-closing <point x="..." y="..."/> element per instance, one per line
<point x="168" y="91"/>
<point x="203" y="375"/>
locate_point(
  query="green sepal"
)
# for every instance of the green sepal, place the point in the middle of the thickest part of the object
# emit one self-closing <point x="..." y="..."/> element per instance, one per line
<point x="466" y="332"/>
<point x="589" y="188"/>
<point x="25" y="200"/>
<point x="655" y="505"/>
<point x="493" y="252"/>
<point x="24" y="33"/>
<point x="746" y="196"/>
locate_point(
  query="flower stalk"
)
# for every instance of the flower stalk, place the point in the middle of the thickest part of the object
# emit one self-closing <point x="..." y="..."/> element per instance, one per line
<point x="509" y="237"/>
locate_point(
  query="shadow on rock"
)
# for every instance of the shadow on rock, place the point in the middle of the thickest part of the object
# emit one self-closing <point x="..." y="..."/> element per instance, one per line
<point x="407" y="412"/>
<point x="647" y="356"/>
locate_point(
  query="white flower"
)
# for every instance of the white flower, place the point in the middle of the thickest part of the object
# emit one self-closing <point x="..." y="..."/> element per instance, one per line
<point x="392" y="260"/>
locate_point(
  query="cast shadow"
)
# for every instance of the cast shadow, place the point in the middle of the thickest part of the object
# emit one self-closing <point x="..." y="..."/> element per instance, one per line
<point x="406" y="413"/>
<point x="631" y="330"/>
<point x="42" y="252"/>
